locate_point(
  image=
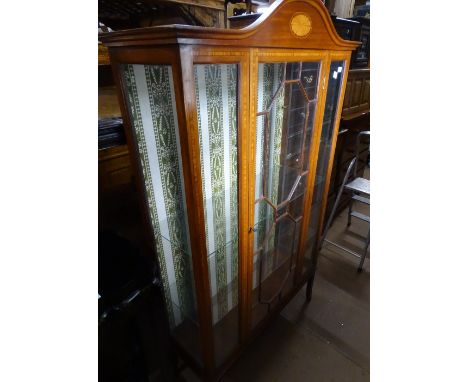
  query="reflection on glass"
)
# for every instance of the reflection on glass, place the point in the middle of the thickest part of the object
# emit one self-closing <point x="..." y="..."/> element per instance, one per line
<point x="216" y="96"/>
<point x="333" y="94"/>
<point x="287" y="96"/>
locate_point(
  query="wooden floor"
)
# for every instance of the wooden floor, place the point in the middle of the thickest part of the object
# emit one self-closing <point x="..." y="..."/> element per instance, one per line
<point x="326" y="340"/>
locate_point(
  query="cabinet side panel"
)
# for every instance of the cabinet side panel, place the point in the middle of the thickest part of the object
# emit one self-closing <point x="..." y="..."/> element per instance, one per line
<point x="333" y="103"/>
<point x="150" y="97"/>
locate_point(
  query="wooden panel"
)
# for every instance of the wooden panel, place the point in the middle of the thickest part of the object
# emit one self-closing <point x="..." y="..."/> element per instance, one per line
<point x="207" y="16"/>
<point x="347" y="100"/>
<point x="357" y="97"/>
<point x="108" y="103"/>
<point x="365" y="97"/>
<point x="114" y="168"/>
<point x="253" y="68"/>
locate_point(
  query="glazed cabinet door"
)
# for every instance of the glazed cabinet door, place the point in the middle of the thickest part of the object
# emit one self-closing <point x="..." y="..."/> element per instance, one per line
<point x="216" y="98"/>
<point x="287" y="99"/>
<point x="220" y="78"/>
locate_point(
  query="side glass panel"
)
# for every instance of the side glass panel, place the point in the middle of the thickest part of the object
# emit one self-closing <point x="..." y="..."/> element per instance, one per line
<point x="216" y="88"/>
<point x="286" y="104"/>
<point x="149" y="93"/>
<point x="337" y="69"/>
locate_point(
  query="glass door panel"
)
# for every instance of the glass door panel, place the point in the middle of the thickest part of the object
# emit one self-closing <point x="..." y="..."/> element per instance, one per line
<point x="331" y="105"/>
<point x="286" y="105"/>
<point x="216" y="89"/>
<point x="149" y="93"/>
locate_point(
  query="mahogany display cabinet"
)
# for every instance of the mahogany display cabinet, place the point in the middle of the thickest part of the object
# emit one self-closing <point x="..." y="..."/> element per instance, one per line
<point x="232" y="136"/>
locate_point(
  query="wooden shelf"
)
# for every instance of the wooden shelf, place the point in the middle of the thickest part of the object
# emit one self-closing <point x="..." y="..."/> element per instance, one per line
<point x="359" y="114"/>
<point x="357" y="97"/>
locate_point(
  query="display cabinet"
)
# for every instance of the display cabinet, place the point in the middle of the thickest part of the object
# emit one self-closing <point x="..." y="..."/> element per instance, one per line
<point x="232" y="136"/>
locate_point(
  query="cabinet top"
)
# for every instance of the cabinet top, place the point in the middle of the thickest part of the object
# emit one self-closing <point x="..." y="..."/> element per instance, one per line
<point x="302" y="24"/>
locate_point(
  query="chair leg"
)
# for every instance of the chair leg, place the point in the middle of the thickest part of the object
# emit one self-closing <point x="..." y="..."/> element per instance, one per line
<point x="363" y="257"/>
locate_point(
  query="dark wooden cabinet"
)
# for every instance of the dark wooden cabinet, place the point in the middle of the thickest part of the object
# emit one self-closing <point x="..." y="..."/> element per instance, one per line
<point x="347" y="29"/>
<point x="361" y="58"/>
<point x="356" y="29"/>
<point x="357" y="97"/>
<point x="114" y="169"/>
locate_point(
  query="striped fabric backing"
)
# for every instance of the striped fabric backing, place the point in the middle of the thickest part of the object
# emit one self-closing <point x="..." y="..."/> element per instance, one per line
<point x="149" y="92"/>
<point x="270" y="77"/>
<point x="216" y="96"/>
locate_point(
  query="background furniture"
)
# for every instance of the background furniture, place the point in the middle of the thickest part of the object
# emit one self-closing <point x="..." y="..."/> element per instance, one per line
<point x="362" y="54"/>
<point x="129" y="14"/>
<point x="134" y="343"/>
<point x="346" y="28"/>
<point x="359" y="192"/>
<point x="356" y="29"/>
<point x="355" y="118"/>
<point x="356" y="107"/>
<point x="241" y="21"/>
<point x="247" y="8"/>
<point x="231" y="135"/>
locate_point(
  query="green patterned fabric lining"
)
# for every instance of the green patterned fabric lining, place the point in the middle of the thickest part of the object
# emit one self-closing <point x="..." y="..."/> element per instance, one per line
<point x="150" y="98"/>
<point x="216" y="95"/>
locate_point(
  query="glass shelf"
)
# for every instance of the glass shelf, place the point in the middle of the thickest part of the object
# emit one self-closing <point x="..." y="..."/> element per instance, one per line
<point x="180" y="243"/>
<point x="213" y="257"/>
<point x="179" y="239"/>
